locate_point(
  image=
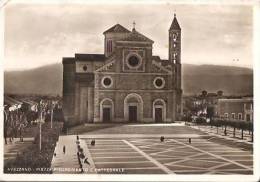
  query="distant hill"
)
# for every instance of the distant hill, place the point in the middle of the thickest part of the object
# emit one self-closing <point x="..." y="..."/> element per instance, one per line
<point x="232" y="80"/>
<point x="48" y="80"/>
<point x="191" y="69"/>
<point x="42" y="80"/>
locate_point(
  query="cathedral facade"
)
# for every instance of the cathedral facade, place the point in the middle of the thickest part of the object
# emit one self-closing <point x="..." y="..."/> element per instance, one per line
<point x="125" y="84"/>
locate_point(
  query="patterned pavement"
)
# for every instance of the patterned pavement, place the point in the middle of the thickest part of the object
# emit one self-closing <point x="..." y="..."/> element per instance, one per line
<point x="173" y="156"/>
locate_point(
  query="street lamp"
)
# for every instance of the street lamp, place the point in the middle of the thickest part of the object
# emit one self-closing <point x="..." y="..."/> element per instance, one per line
<point x="52" y="107"/>
<point x="41" y="110"/>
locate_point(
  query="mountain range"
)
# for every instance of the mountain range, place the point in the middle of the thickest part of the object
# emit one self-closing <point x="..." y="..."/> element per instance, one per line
<point x="48" y="80"/>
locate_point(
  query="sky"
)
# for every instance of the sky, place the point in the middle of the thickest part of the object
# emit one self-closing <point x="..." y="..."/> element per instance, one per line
<point x="40" y="34"/>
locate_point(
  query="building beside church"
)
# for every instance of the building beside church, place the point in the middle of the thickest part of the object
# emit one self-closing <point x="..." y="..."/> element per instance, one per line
<point x="239" y="109"/>
<point x="125" y="84"/>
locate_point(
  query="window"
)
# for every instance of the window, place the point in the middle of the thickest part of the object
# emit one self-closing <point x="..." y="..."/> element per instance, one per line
<point x="226" y="115"/>
<point x="85" y="68"/>
<point x="134" y="61"/>
<point x="240" y="116"/>
<point x="233" y="115"/>
<point x="159" y="82"/>
<point x="107" y="81"/>
<point x="248" y="118"/>
<point x="175" y="55"/>
<point x="109" y="46"/>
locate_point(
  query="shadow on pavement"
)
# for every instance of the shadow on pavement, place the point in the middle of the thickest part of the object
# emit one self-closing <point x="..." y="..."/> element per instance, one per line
<point x="91" y="127"/>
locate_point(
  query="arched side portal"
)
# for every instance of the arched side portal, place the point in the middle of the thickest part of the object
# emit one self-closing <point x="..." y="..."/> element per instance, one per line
<point x="159" y="110"/>
<point x="107" y="110"/>
<point x="133" y="107"/>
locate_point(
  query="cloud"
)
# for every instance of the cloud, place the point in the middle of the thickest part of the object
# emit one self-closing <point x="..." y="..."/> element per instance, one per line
<point x="51" y="49"/>
<point x="42" y="34"/>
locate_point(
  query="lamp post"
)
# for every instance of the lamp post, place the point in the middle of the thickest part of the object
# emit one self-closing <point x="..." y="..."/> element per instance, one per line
<point x="52" y="107"/>
<point x="41" y="109"/>
<point x="51" y="116"/>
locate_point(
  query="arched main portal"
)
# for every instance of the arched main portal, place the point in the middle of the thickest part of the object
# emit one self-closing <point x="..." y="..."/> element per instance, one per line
<point x="133" y="108"/>
<point x="159" y="110"/>
<point x="107" y="110"/>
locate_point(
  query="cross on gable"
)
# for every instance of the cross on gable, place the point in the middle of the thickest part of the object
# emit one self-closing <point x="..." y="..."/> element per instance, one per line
<point x="134" y="24"/>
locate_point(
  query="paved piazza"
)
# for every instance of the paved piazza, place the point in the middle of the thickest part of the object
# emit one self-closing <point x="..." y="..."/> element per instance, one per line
<point x="137" y="149"/>
<point x="173" y="156"/>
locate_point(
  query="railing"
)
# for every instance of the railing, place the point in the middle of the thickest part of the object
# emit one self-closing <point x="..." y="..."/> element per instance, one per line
<point x="235" y="124"/>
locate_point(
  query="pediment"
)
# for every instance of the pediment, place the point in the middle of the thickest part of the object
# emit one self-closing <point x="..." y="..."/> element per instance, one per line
<point x="137" y="37"/>
<point x="108" y="66"/>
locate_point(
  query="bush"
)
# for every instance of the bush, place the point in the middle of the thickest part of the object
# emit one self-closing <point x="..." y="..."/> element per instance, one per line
<point x="245" y="125"/>
<point x="200" y="120"/>
<point x="186" y="118"/>
<point x="216" y="123"/>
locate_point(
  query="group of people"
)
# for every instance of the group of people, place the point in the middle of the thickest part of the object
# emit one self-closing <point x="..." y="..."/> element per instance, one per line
<point x="14" y="121"/>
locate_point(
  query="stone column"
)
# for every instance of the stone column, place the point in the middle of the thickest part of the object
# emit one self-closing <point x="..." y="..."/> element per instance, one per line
<point x="77" y="102"/>
<point x="83" y="104"/>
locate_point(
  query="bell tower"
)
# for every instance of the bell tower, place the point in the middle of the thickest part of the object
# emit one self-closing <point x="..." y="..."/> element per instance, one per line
<point x="175" y="59"/>
<point x="175" y="42"/>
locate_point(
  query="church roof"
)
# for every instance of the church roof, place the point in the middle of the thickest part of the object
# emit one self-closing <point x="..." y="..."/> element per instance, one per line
<point x="175" y="25"/>
<point x="68" y="60"/>
<point x="117" y="29"/>
<point x="136" y="36"/>
<point x="163" y="62"/>
<point x="91" y="57"/>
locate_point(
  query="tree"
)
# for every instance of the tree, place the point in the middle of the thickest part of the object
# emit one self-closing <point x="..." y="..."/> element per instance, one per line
<point x="242" y="125"/>
<point x="234" y="125"/>
<point x="223" y="123"/>
<point x="6" y="118"/>
<point x="216" y="123"/>
<point x="210" y="112"/>
<point x="22" y="124"/>
<point x="220" y="93"/>
<point x="225" y="130"/>
<point x="204" y="93"/>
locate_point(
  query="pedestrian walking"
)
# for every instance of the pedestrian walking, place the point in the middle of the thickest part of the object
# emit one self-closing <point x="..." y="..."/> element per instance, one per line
<point x="93" y="142"/>
<point x="162" y="138"/>
<point x="64" y="149"/>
